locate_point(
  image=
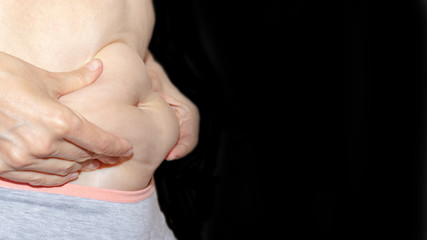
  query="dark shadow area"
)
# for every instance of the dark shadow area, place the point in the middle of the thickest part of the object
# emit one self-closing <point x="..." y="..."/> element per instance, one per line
<point x="385" y="75"/>
<point x="214" y="51"/>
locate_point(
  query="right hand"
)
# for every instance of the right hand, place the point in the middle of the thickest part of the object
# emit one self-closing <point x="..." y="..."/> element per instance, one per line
<point x="43" y="142"/>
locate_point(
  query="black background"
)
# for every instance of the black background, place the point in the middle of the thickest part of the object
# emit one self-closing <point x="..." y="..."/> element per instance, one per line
<point x="386" y="106"/>
<point x="218" y="54"/>
<point x="313" y="118"/>
<point x="255" y="69"/>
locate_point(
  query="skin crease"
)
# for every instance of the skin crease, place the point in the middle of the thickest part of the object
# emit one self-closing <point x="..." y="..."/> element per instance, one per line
<point x="124" y="100"/>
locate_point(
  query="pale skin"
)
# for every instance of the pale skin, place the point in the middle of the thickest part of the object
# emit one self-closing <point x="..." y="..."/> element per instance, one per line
<point x="126" y="105"/>
<point x="118" y="33"/>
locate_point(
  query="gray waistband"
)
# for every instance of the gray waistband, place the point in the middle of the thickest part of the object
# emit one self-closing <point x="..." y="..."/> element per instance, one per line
<point x="38" y="215"/>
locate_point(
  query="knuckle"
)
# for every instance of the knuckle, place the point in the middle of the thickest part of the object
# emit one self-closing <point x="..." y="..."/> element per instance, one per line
<point x="103" y="145"/>
<point x="38" y="180"/>
<point x="71" y="167"/>
<point x="62" y="121"/>
<point x="52" y="183"/>
<point x="43" y="147"/>
<point x="85" y="156"/>
<point x="18" y="158"/>
<point x="79" y="75"/>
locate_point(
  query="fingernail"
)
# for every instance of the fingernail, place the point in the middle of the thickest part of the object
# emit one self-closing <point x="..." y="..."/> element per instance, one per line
<point x="93" y="165"/>
<point x="171" y="155"/>
<point x="128" y="153"/>
<point x="73" y="176"/>
<point x="112" y="160"/>
<point x="93" y="65"/>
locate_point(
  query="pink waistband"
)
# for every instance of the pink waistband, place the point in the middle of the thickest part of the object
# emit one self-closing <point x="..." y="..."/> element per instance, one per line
<point x="88" y="192"/>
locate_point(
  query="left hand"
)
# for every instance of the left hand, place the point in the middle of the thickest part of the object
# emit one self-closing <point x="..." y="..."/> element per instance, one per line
<point x="186" y="111"/>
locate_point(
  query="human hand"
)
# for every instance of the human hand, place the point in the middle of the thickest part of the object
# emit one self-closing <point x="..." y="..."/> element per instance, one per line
<point x="186" y="111"/>
<point x="43" y="142"/>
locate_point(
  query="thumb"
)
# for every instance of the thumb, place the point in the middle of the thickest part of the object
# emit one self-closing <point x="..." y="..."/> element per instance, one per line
<point x="66" y="82"/>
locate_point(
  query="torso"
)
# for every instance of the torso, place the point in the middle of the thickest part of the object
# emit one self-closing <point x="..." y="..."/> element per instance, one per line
<point x="62" y="36"/>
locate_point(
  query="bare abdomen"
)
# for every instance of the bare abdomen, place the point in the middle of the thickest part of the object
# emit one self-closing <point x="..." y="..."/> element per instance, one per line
<point x="122" y="102"/>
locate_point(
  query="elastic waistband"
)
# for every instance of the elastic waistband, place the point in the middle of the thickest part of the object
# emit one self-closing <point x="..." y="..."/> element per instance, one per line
<point x="81" y="191"/>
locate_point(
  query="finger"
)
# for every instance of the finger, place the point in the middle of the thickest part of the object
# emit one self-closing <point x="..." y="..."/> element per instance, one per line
<point x="62" y="167"/>
<point x="91" y="165"/>
<point x="68" y="151"/>
<point x="67" y="82"/>
<point x="75" y="129"/>
<point x="92" y="138"/>
<point x="185" y="145"/>
<point x="39" y="179"/>
<point x="108" y="159"/>
<point x="55" y="166"/>
<point x="177" y="152"/>
<point x="188" y="137"/>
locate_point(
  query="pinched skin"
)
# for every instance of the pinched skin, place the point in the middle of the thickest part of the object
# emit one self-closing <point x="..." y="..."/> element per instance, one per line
<point x="122" y="102"/>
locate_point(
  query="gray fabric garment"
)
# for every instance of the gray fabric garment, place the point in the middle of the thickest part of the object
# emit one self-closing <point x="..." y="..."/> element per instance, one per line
<point x="38" y="215"/>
